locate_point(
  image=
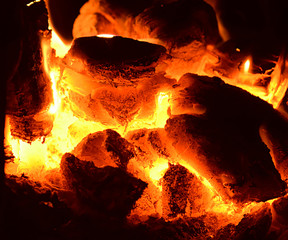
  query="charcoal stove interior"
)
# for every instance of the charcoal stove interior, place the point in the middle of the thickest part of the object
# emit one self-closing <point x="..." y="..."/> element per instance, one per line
<point x="145" y="120"/>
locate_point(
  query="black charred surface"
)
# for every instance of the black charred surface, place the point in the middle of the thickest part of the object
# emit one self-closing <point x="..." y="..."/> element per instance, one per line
<point x="280" y="207"/>
<point x="29" y="92"/>
<point x="33" y="208"/>
<point x="176" y="184"/>
<point x="224" y="140"/>
<point x="254" y="226"/>
<point x="178" y="23"/>
<point x="116" y="50"/>
<point x="108" y="191"/>
<point x="117" y="61"/>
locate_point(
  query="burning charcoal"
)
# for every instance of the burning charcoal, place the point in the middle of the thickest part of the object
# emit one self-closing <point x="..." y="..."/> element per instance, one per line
<point x="29" y="92"/>
<point x="157" y="143"/>
<point x="176" y="184"/>
<point x="112" y="80"/>
<point x="117" y="61"/>
<point x="106" y="148"/>
<point x="254" y="226"/>
<point x="172" y="23"/>
<point x="274" y="134"/>
<point x="216" y="130"/>
<point x="150" y="142"/>
<point x="280" y="207"/>
<point x="108" y="191"/>
<point x="178" y="23"/>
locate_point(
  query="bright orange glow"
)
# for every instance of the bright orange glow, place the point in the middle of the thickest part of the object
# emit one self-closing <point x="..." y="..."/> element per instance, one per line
<point x="60" y="47"/>
<point x="34" y="159"/>
<point x="106" y="35"/>
<point x="54" y="76"/>
<point x="31" y="3"/>
<point x="161" y="109"/>
<point x="246" y="67"/>
<point x="157" y="171"/>
<point x="157" y="120"/>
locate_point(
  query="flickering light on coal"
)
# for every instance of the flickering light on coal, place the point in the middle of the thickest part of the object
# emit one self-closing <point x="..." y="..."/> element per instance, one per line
<point x="106" y="35"/>
<point x="247" y="65"/>
<point x="60" y="47"/>
<point x="31" y="3"/>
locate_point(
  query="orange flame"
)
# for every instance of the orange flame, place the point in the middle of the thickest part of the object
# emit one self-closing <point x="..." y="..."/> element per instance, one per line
<point x="247" y="66"/>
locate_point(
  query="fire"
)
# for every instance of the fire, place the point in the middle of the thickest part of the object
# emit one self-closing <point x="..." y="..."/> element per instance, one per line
<point x="54" y="76"/>
<point x="37" y="158"/>
<point x="57" y="44"/>
<point x="157" y="171"/>
<point x="106" y="35"/>
<point x="246" y="67"/>
<point x="161" y="109"/>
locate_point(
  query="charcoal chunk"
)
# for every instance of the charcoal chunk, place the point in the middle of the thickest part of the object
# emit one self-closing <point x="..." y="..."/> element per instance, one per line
<point x="115" y="60"/>
<point x="29" y="92"/>
<point x="108" y="192"/>
<point x="105" y="148"/>
<point x="176" y="184"/>
<point x="218" y="134"/>
<point x="254" y="226"/>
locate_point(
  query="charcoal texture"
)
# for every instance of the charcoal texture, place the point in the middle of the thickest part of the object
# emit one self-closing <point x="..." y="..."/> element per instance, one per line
<point x="176" y="183"/>
<point x="218" y="134"/>
<point x="118" y="61"/>
<point x="34" y="208"/>
<point x="254" y="226"/>
<point x="108" y="191"/>
<point x="106" y="148"/>
<point x="29" y="92"/>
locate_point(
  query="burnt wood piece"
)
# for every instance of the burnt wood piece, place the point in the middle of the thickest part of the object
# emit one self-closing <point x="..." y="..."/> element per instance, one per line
<point x="34" y="208"/>
<point x="175" y="183"/>
<point x="218" y="134"/>
<point x="108" y="192"/>
<point x="29" y="92"/>
<point x="117" y="61"/>
<point x="113" y="80"/>
<point x="254" y="226"/>
<point x="115" y="105"/>
<point x="149" y="143"/>
<point x="106" y="148"/>
<point x="280" y="207"/>
<point x="274" y="133"/>
<point x="178" y="23"/>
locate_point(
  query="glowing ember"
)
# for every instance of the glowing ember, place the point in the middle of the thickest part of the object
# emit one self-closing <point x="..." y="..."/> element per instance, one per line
<point x="154" y="159"/>
<point x="54" y="76"/>
<point x="31" y="3"/>
<point x="57" y="44"/>
<point x="247" y="66"/>
<point x="158" y="169"/>
<point x="106" y="35"/>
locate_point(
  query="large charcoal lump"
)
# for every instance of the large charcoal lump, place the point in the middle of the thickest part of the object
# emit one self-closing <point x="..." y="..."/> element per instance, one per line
<point x="215" y="127"/>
